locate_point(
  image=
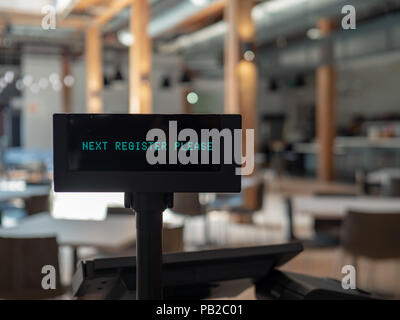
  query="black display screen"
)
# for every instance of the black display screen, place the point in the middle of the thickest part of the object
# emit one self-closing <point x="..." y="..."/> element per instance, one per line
<point x="118" y="142"/>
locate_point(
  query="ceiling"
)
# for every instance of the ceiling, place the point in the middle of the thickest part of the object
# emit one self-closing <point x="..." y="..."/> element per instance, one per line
<point x="189" y="27"/>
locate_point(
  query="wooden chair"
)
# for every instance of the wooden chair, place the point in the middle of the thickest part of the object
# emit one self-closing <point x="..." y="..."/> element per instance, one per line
<point x="37" y="204"/>
<point x="188" y="205"/>
<point x="119" y="211"/>
<point x="21" y="263"/>
<point x="375" y="236"/>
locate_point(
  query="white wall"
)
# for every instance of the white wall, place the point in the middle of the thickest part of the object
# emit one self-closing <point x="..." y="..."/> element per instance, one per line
<point x="167" y="100"/>
<point x="116" y="96"/>
<point x="369" y="87"/>
<point x="38" y="107"/>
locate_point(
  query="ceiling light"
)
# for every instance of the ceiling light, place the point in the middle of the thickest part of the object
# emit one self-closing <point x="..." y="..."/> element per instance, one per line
<point x="192" y="97"/>
<point x="313" y="34"/>
<point x="249" y="55"/>
<point x="166" y="82"/>
<point x="27" y="80"/>
<point x="19" y="85"/>
<point x="54" y="78"/>
<point x="69" y="80"/>
<point x="118" y="75"/>
<point x="9" y="76"/>
<point x="125" y="37"/>
<point x="56" y="86"/>
<point x="3" y="83"/>
<point x="199" y="3"/>
<point x="186" y="77"/>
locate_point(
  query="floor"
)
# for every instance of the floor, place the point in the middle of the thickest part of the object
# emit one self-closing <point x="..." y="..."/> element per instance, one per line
<point x="270" y="227"/>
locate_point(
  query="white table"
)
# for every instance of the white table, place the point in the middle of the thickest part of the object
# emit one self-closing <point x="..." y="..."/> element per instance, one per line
<point x="114" y="233"/>
<point x="336" y="207"/>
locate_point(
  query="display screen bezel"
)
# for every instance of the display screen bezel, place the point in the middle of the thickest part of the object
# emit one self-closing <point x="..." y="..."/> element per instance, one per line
<point x="222" y="180"/>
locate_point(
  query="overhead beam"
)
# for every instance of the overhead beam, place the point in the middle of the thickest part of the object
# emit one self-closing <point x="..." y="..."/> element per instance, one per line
<point x="83" y="5"/>
<point x="94" y="70"/>
<point x="325" y="107"/>
<point x="199" y="19"/>
<point x="14" y="18"/>
<point x="140" y="59"/>
<point x="115" y="7"/>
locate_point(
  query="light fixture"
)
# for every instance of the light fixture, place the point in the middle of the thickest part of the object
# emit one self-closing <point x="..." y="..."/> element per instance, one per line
<point x="273" y="85"/>
<point x="313" y="34"/>
<point x="249" y="56"/>
<point x="9" y="76"/>
<point x="247" y="49"/>
<point x="56" y="86"/>
<point x="19" y="85"/>
<point x="300" y="80"/>
<point x="125" y="37"/>
<point x="192" y="97"/>
<point x="199" y="3"/>
<point x="118" y="75"/>
<point x="69" y="80"/>
<point x="165" y="82"/>
<point x="106" y="81"/>
<point x="54" y="78"/>
<point x="186" y="77"/>
<point x="3" y="83"/>
<point x="27" y="80"/>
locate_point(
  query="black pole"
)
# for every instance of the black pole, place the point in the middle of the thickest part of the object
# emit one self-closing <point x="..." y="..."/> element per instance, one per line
<point x="148" y="255"/>
<point x="149" y="208"/>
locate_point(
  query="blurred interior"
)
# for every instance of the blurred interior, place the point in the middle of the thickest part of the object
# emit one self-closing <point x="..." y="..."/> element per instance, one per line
<point x="324" y="102"/>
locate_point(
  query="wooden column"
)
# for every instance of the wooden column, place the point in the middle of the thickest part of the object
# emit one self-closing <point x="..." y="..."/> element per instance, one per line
<point x="66" y="70"/>
<point x="140" y="100"/>
<point x="241" y="74"/>
<point x="325" y="107"/>
<point x="94" y="70"/>
<point x="232" y="58"/>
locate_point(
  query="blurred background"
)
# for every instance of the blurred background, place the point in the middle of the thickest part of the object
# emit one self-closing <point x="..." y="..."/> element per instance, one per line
<point x="318" y="80"/>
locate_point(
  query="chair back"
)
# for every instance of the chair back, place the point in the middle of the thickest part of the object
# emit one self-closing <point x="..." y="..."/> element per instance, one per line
<point x="119" y="210"/>
<point x="253" y="197"/>
<point x="392" y="189"/>
<point x="187" y="204"/>
<point x="37" y="204"/>
<point x="21" y="263"/>
<point x="372" y="235"/>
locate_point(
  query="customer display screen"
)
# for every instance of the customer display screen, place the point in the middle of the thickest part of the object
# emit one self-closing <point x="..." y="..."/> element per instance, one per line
<point x="121" y="143"/>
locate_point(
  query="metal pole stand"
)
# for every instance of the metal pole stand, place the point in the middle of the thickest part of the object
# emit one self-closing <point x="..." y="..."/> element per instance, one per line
<point x="149" y="208"/>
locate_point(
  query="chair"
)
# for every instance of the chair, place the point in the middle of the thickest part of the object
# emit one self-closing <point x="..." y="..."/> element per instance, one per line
<point x="327" y="230"/>
<point x="392" y="189"/>
<point x="375" y="236"/>
<point x="37" y="204"/>
<point x="21" y="263"/>
<point x="188" y="205"/>
<point x="252" y="201"/>
<point x="119" y="211"/>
